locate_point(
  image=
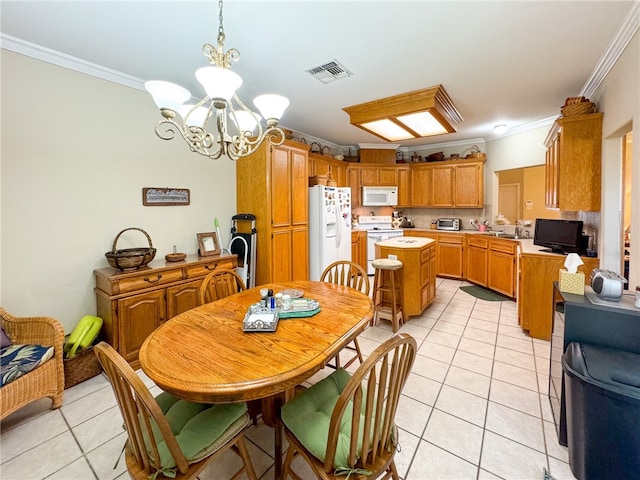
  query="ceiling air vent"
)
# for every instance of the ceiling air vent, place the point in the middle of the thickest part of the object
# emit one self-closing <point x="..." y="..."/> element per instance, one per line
<point x="329" y="72"/>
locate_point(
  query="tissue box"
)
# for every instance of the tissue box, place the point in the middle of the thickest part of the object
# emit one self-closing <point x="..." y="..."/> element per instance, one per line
<point x="571" y="282"/>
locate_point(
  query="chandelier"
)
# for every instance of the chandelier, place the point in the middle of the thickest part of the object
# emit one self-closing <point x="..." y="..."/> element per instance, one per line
<point x="219" y="104"/>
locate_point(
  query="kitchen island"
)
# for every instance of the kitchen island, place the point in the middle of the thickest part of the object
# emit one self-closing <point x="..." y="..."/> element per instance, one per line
<point x="418" y="256"/>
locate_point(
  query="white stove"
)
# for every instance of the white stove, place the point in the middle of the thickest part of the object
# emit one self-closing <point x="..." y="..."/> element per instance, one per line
<point x="378" y="229"/>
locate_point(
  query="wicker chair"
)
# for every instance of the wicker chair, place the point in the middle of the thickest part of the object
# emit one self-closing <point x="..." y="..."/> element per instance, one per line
<point x="47" y="380"/>
<point x="351" y="275"/>
<point x="220" y="283"/>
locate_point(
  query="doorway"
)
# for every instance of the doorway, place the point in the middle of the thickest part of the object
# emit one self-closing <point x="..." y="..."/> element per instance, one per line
<point x="627" y="147"/>
<point x="509" y="202"/>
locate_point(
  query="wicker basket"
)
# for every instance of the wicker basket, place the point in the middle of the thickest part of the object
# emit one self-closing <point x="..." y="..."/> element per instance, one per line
<point x="318" y="180"/>
<point x="581" y="108"/>
<point x="130" y="258"/>
<point x="574" y="100"/>
<point x="331" y="182"/>
<point x="83" y="366"/>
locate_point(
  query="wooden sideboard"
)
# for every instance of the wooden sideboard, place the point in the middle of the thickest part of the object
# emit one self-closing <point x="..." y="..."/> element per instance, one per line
<point x="134" y="303"/>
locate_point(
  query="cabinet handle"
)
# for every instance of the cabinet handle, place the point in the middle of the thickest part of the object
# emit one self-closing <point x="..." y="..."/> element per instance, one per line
<point x="147" y="279"/>
<point x="209" y="267"/>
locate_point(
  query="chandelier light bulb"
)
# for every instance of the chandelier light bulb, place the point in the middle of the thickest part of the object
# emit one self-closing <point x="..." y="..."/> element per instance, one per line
<point x="195" y="118"/>
<point x="246" y="121"/>
<point x="271" y="105"/>
<point x="219" y="83"/>
<point x="167" y="95"/>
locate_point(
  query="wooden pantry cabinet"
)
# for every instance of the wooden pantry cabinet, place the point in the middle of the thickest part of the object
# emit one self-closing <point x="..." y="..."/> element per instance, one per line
<point x="133" y="304"/>
<point x="573" y="163"/>
<point x="273" y="185"/>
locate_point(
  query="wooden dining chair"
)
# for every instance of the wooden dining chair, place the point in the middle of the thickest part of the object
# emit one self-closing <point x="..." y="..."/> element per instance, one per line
<point x="326" y="423"/>
<point x="169" y="437"/>
<point x="351" y="275"/>
<point x="220" y="283"/>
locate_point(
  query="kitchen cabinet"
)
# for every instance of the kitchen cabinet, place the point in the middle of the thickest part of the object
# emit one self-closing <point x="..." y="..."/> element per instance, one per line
<point x="453" y="183"/>
<point x="443" y="180"/>
<point x="404" y="197"/>
<point x="323" y="165"/>
<point x="418" y="275"/>
<point x="449" y="251"/>
<point x="501" y="263"/>
<point x="272" y="184"/>
<point x="469" y="184"/>
<point x="573" y="163"/>
<point x="537" y="272"/>
<point x="353" y="176"/>
<point x="359" y="248"/>
<point x="421" y="181"/>
<point x="133" y="304"/>
<point x="477" y="259"/>
<point x="450" y="254"/>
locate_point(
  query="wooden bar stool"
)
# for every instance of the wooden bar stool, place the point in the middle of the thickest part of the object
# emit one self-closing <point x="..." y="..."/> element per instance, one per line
<point x="387" y="292"/>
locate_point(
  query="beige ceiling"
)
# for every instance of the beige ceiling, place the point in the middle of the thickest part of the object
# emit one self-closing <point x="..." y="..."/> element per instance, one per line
<point x="510" y="62"/>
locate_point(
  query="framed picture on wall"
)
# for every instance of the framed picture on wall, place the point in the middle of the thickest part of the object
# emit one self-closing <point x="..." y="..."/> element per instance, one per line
<point x="208" y="244"/>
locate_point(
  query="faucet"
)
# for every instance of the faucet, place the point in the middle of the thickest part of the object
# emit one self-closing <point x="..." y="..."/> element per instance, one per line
<point x="521" y="232"/>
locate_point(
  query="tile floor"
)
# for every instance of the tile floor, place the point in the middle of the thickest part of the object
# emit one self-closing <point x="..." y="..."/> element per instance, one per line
<point x="474" y="407"/>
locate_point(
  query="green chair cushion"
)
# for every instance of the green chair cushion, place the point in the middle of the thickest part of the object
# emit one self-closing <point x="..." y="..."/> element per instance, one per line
<point x="199" y="428"/>
<point x="308" y="417"/>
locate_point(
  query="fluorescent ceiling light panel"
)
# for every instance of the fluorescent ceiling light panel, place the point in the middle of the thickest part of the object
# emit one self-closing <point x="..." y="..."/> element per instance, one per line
<point x="416" y="114"/>
<point x="387" y="129"/>
<point x="423" y="123"/>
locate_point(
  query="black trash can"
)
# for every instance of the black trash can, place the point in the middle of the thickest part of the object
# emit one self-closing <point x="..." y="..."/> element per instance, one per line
<point x="602" y="389"/>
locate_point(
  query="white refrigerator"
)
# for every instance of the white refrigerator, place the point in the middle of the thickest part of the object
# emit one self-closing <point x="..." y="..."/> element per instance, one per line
<point x="329" y="227"/>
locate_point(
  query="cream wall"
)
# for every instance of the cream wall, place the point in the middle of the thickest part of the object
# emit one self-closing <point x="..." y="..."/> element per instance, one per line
<point x="76" y="153"/>
<point x="619" y="98"/>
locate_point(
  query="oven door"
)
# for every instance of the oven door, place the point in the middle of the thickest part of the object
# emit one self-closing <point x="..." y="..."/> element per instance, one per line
<point x="372" y="238"/>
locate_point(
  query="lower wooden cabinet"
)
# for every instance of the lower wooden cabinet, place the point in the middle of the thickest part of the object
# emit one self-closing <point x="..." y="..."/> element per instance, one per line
<point x="537" y="272"/>
<point x="359" y="248"/>
<point x="477" y="259"/>
<point x="133" y="304"/>
<point x="501" y="266"/>
<point x="450" y="254"/>
<point x="418" y="275"/>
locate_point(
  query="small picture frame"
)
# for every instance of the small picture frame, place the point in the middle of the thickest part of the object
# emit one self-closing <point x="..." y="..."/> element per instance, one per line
<point x="208" y="244"/>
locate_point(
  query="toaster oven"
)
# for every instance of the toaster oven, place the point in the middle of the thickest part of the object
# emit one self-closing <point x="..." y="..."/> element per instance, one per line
<point x="448" y="224"/>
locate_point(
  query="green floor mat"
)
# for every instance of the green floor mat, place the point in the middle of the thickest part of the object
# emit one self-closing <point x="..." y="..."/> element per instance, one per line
<point x="485" y="294"/>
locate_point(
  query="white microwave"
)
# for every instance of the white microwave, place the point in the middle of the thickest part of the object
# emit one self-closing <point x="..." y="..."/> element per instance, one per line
<point x="379" y="196"/>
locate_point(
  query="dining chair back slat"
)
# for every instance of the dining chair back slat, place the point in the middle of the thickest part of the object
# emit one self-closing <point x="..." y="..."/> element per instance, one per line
<point x="218" y="284"/>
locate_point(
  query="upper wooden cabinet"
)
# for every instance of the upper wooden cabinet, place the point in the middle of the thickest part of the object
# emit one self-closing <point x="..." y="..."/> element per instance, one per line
<point x="273" y="185"/>
<point x="421" y="181"/>
<point x="404" y="186"/>
<point x="469" y="185"/>
<point x="455" y="183"/>
<point x="322" y="165"/>
<point x="573" y="163"/>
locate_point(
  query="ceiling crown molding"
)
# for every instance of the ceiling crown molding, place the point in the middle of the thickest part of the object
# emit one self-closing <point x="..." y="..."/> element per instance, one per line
<point x="626" y="32"/>
<point x="67" y="61"/>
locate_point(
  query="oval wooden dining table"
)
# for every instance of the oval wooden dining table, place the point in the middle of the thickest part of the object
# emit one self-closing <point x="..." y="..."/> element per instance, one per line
<point x="203" y="354"/>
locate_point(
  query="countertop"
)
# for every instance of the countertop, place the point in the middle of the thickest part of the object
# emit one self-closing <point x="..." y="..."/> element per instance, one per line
<point x="406" y="242"/>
